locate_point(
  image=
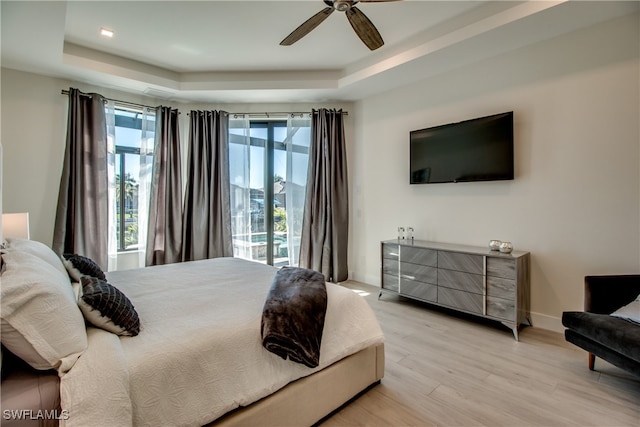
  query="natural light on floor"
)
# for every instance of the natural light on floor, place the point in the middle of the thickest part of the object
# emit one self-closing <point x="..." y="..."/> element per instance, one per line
<point x="361" y="292"/>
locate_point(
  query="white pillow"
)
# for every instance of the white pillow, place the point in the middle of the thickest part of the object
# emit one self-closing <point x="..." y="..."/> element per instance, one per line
<point x="630" y="311"/>
<point x="38" y="249"/>
<point x="40" y="319"/>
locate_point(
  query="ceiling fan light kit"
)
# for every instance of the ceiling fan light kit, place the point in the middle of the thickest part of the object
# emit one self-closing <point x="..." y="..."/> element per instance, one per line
<point x="363" y="27"/>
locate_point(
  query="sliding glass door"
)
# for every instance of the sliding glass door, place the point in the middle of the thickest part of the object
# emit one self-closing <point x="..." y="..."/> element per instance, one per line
<point x="268" y="172"/>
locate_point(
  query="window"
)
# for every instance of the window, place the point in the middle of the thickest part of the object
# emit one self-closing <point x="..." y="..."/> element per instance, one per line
<point x="268" y="171"/>
<point x="133" y="135"/>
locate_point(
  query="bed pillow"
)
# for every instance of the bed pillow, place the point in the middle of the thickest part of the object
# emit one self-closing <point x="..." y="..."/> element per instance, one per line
<point x="38" y="249"/>
<point x="39" y="317"/>
<point x="106" y="307"/>
<point x="78" y="266"/>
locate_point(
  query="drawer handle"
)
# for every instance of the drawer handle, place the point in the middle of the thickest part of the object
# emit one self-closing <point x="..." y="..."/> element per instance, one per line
<point x="406" y="276"/>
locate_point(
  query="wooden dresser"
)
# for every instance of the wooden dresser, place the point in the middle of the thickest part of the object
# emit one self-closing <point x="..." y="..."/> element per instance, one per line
<point x="469" y="279"/>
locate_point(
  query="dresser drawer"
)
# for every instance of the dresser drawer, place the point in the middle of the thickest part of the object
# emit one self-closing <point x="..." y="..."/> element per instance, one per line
<point x="501" y="288"/>
<point x="461" y="262"/>
<point x="390" y="251"/>
<point x="419" y="290"/>
<point x="460" y="300"/>
<point x="421" y="273"/>
<point x="390" y="282"/>
<point x="501" y="308"/>
<point x="422" y="256"/>
<point x="390" y="266"/>
<point x="501" y="267"/>
<point x="468" y="282"/>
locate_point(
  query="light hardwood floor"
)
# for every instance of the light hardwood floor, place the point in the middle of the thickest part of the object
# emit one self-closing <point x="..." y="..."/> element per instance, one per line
<point x="446" y="370"/>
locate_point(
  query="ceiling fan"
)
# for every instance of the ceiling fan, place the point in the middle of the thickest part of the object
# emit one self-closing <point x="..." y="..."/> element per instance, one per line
<point x="363" y="27"/>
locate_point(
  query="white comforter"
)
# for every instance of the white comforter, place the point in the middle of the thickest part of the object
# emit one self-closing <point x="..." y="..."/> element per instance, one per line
<point x="199" y="354"/>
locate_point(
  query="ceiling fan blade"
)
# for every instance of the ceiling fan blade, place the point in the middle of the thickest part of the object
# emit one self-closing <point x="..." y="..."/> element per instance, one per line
<point x="307" y="26"/>
<point x="364" y="28"/>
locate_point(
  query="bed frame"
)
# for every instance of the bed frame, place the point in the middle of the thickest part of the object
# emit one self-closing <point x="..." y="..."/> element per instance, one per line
<point x="303" y="402"/>
<point x="308" y="400"/>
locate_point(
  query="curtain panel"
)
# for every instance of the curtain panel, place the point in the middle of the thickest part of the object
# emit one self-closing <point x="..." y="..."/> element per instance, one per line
<point x="296" y="155"/>
<point x="141" y="163"/>
<point x="164" y="232"/>
<point x="325" y="227"/>
<point x="297" y="143"/>
<point x="112" y="172"/>
<point x="240" y="185"/>
<point x="82" y="211"/>
<point x="206" y="231"/>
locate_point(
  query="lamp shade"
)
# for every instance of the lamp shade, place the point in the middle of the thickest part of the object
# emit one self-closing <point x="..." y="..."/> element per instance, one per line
<point x="15" y="225"/>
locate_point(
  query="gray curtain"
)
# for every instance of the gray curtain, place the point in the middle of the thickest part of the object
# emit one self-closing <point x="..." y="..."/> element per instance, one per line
<point x="325" y="226"/>
<point x="207" y="207"/>
<point x="164" y="233"/>
<point x="81" y="225"/>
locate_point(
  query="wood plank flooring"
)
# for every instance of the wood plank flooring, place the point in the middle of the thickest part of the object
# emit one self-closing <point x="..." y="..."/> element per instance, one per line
<point x="447" y="370"/>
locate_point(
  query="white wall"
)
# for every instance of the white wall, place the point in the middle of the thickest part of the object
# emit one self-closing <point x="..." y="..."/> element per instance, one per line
<point x="574" y="203"/>
<point x="33" y="126"/>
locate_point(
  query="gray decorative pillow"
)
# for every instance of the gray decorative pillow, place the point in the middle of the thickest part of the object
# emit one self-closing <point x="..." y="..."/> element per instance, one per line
<point x="78" y="266"/>
<point x="105" y="306"/>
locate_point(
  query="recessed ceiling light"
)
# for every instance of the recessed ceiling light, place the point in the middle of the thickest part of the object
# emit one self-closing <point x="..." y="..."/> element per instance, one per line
<point x="106" y="32"/>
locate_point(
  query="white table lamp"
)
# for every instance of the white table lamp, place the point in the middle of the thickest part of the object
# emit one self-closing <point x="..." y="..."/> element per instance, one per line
<point x="15" y="225"/>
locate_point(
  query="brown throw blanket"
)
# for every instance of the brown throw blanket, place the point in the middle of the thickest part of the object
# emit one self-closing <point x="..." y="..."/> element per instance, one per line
<point x="293" y="315"/>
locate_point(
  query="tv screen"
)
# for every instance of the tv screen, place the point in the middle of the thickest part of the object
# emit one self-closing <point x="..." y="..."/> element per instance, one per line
<point x="473" y="150"/>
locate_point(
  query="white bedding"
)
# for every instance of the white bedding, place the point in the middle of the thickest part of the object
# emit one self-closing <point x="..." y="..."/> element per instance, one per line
<point x="199" y="354"/>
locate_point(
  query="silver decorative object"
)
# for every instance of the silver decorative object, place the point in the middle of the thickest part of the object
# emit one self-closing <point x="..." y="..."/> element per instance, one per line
<point x="409" y="233"/>
<point x="494" y="245"/>
<point x="506" y="247"/>
<point x="400" y="233"/>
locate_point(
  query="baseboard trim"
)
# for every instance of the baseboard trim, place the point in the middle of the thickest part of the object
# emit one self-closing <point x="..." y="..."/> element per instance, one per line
<point x="544" y="321"/>
<point x="366" y="279"/>
<point x="539" y="320"/>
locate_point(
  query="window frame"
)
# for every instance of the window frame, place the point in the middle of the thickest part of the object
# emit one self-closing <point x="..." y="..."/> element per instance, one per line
<point x="270" y="145"/>
<point x="124" y="121"/>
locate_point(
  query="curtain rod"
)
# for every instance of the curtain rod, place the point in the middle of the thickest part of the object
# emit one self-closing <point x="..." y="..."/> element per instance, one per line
<point x="265" y="114"/>
<point x="124" y="103"/>
<point x="280" y="113"/>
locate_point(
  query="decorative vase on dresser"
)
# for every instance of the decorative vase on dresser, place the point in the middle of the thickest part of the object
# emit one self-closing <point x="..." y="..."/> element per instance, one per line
<point x="470" y="279"/>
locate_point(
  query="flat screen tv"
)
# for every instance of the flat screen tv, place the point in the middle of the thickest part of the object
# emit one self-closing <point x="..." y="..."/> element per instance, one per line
<point x="473" y="150"/>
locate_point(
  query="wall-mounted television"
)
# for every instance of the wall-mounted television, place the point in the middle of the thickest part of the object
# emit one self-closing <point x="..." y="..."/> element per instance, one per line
<point x="479" y="149"/>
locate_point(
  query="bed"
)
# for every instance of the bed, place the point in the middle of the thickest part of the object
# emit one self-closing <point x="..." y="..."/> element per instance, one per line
<point x="198" y="358"/>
